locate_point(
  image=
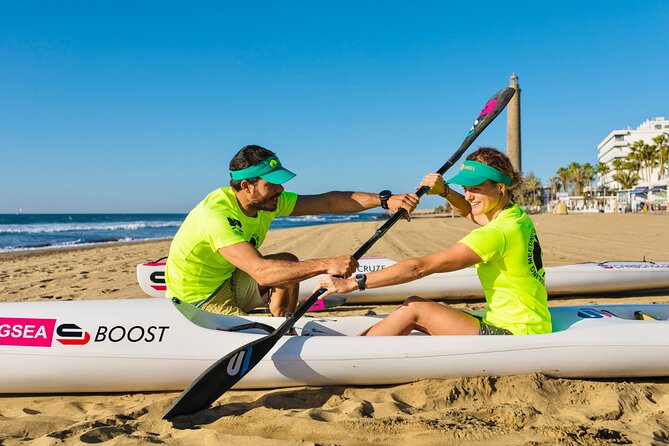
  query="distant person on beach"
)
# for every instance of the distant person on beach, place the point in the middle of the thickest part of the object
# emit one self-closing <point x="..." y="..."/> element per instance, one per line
<point x="214" y="262"/>
<point x="505" y="250"/>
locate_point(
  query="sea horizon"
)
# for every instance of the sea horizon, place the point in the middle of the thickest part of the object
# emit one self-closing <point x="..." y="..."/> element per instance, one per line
<point x="37" y="231"/>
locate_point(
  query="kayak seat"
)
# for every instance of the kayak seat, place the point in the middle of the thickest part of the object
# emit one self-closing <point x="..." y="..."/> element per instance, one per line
<point x="248" y="326"/>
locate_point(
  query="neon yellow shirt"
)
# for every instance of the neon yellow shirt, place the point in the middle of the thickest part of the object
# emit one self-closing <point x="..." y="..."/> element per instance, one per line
<point x="195" y="268"/>
<point x="511" y="273"/>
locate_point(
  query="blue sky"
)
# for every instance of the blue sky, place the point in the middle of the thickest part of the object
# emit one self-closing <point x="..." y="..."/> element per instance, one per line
<point x="139" y="106"/>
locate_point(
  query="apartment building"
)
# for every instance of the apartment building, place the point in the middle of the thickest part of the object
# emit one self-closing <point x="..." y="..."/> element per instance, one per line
<point x="618" y="144"/>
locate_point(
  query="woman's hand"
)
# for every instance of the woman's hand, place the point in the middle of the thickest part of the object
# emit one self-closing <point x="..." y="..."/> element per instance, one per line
<point x="436" y="184"/>
<point x="336" y="285"/>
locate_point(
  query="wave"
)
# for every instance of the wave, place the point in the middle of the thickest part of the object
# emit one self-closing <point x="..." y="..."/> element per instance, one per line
<point x="79" y="227"/>
<point x="320" y="218"/>
<point x="77" y="243"/>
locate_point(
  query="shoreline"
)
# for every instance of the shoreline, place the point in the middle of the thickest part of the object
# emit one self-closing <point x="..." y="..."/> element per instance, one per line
<point x="5" y="255"/>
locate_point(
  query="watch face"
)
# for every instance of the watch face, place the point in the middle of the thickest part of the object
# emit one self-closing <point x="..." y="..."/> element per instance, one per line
<point x="385" y="193"/>
<point x="359" y="276"/>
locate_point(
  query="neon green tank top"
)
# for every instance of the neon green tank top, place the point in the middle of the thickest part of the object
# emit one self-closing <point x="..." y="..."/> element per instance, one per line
<point x="511" y="273"/>
<point x="195" y="268"/>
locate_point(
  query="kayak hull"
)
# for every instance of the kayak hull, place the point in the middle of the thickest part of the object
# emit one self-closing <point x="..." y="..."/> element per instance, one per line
<point x="154" y="344"/>
<point x="581" y="278"/>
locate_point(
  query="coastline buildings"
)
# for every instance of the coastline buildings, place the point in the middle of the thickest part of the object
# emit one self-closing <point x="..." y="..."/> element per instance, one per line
<point x="618" y="144"/>
<point x="651" y="189"/>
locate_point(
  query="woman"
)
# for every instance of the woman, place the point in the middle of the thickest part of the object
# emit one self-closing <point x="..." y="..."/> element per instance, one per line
<point x="505" y="250"/>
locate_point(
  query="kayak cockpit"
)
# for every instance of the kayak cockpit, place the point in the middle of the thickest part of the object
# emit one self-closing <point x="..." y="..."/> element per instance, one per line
<point x="563" y="317"/>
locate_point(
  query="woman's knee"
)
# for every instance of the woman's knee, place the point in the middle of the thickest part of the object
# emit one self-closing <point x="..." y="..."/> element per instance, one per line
<point x="411" y="307"/>
<point x="414" y="300"/>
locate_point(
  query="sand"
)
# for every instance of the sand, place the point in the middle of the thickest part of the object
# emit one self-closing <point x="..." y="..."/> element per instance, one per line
<point x="515" y="410"/>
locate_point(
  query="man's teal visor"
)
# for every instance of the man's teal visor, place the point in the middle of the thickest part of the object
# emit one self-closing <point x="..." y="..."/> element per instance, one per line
<point x="269" y="169"/>
<point x="473" y="173"/>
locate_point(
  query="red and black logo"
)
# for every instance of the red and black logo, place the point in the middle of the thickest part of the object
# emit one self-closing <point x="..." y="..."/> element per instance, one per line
<point x="158" y="280"/>
<point x="72" y="334"/>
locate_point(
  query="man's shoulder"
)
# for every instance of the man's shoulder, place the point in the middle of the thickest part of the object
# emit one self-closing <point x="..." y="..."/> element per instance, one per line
<point x="220" y="199"/>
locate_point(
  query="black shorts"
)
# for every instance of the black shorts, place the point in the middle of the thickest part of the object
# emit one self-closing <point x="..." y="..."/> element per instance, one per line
<point x="488" y="329"/>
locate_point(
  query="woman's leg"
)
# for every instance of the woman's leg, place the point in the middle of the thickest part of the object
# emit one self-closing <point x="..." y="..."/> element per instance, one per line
<point x="424" y="315"/>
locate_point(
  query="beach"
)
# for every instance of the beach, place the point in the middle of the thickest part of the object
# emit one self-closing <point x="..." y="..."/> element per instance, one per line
<point x="512" y="410"/>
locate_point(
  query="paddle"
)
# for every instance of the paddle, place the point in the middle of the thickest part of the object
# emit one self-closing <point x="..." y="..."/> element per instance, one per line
<point x="230" y="369"/>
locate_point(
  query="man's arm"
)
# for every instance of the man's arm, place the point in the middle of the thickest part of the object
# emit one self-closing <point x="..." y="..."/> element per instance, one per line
<point x="350" y="202"/>
<point x="273" y="272"/>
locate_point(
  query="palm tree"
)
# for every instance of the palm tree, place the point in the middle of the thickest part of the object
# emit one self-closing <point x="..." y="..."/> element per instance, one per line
<point x="626" y="165"/>
<point x="580" y="175"/>
<point x="602" y="170"/>
<point x="555" y="185"/>
<point x="588" y="174"/>
<point x="661" y="148"/>
<point x="563" y="175"/>
<point x="626" y="178"/>
<point x="530" y="192"/>
<point x="646" y="156"/>
<point x="573" y="170"/>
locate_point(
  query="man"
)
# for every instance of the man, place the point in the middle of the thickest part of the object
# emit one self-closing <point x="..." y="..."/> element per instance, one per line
<point x="214" y="261"/>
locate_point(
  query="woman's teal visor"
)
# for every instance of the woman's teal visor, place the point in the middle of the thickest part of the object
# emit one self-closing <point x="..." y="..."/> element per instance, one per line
<point x="473" y="173"/>
<point x="269" y="169"/>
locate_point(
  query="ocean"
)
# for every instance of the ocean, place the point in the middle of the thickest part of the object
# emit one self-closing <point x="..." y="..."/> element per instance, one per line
<point x="43" y="231"/>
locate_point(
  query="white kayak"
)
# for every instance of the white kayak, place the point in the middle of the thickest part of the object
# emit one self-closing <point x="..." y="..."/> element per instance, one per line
<point x="580" y="278"/>
<point x="157" y="344"/>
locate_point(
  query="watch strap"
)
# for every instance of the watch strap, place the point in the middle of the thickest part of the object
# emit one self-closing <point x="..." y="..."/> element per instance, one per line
<point x="361" y="280"/>
<point x="384" y="196"/>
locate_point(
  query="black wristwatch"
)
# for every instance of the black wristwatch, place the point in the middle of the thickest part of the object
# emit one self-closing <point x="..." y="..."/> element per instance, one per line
<point x="384" y="196"/>
<point x="361" y="280"/>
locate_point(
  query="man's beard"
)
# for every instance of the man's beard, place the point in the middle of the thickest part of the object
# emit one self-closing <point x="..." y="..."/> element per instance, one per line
<point x="265" y="205"/>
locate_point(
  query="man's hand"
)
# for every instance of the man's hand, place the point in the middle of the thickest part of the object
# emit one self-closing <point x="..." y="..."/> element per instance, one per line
<point x="406" y="201"/>
<point x="335" y="285"/>
<point x="342" y="266"/>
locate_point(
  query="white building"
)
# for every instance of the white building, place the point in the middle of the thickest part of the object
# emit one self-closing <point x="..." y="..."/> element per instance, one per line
<point x="618" y="144"/>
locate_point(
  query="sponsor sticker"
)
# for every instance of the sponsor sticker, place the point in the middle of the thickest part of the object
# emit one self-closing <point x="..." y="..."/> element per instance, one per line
<point x="26" y="332"/>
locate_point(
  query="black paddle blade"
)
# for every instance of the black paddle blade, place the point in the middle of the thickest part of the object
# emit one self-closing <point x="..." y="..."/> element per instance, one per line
<point x="490" y="111"/>
<point x="227" y="371"/>
<point x="221" y="376"/>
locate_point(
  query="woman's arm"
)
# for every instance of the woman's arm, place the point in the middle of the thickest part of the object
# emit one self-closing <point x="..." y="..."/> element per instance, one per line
<point x="438" y="187"/>
<point x="456" y="257"/>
